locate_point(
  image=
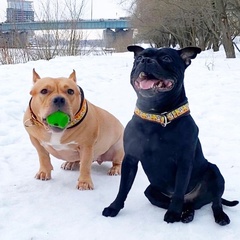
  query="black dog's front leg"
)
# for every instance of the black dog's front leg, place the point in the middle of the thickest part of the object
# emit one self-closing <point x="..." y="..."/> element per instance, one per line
<point x="129" y="170"/>
<point x="175" y="209"/>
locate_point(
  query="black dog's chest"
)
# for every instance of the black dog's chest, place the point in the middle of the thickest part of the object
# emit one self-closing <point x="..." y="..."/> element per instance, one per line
<point x="144" y="138"/>
<point x="159" y="149"/>
<point x="155" y="146"/>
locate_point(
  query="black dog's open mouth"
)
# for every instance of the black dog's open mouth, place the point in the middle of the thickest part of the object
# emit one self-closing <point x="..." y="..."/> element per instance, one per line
<point x="147" y="82"/>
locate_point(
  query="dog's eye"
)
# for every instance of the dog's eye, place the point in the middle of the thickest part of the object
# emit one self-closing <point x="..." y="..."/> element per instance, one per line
<point x="44" y="91"/>
<point x="166" y="59"/>
<point x="139" y="58"/>
<point x="70" y="91"/>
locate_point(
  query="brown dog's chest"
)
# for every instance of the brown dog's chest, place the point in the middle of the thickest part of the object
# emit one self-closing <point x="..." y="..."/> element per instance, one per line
<point x="66" y="151"/>
<point x="71" y="151"/>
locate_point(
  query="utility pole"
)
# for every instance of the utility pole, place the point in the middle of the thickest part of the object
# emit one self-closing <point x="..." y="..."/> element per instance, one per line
<point x="91" y="9"/>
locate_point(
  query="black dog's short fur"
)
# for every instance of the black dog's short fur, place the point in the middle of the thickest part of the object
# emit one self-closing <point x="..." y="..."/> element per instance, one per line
<point x="181" y="179"/>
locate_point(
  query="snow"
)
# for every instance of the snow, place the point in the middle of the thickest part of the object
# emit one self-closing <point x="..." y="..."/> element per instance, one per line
<point x="31" y="209"/>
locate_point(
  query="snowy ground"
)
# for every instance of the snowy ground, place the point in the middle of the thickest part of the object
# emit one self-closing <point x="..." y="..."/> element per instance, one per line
<point x="37" y="210"/>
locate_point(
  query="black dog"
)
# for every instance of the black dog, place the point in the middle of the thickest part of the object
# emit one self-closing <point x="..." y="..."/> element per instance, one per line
<point x="164" y="137"/>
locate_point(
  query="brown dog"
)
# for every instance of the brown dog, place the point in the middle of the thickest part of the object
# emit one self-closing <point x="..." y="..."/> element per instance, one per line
<point x="92" y="133"/>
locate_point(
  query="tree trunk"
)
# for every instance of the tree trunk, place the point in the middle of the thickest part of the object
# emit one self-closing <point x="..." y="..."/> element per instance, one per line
<point x="225" y="28"/>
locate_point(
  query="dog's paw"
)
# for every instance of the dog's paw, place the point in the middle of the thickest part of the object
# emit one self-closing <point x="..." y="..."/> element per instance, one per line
<point x="187" y="215"/>
<point x="70" y="165"/>
<point x="84" y="185"/>
<point x="110" y="212"/>
<point x="171" y="217"/>
<point x="43" y="175"/>
<point x="222" y="218"/>
<point x="114" y="170"/>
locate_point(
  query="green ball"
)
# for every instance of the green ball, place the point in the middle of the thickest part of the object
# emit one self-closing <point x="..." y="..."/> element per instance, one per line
<point x="58" y="119"/>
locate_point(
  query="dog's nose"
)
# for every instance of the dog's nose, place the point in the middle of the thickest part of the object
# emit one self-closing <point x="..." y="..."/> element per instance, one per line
<point x="59" y="101"/>
<point x="147" y="60"/>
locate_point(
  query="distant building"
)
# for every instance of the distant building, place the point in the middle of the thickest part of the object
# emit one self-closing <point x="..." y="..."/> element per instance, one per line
<point x="17" y="11"/>
<point x="20" y="11"/>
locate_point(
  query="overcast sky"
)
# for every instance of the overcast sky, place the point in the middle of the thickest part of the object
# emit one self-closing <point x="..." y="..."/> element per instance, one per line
<point x="101" y="9"/>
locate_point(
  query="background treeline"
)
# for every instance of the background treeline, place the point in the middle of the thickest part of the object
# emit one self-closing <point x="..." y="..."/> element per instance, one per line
<point x="203" y="23"/>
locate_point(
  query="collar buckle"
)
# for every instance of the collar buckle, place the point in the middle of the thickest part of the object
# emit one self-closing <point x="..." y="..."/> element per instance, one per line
<point x="165" y="121"/>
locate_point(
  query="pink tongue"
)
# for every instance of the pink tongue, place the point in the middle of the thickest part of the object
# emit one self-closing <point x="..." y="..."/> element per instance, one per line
<point x="146" y="84"/>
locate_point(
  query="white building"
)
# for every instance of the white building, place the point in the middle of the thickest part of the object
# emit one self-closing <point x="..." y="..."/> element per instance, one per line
<point x="20" y="11"/>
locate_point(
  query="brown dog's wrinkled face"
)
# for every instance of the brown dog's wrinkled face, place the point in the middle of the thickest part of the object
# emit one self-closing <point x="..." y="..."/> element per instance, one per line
<point x="55" y="94"/>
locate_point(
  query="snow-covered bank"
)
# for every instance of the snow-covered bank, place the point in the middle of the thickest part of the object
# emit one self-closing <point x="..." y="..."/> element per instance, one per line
<point x="36" y="210"/>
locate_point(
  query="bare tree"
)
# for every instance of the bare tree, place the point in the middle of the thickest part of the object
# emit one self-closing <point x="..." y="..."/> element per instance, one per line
<point x="169" y="22"/>
<point x="233" y="12"/>
<point x="225" y="29"/>
<point x="74" y="10"/>
<point x="60" y="42"/>
<point x="206" y="24"/>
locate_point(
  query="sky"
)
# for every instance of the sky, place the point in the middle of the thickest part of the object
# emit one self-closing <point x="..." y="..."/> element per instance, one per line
<point x="100" y="9"/>
<point x="31" y="209"/>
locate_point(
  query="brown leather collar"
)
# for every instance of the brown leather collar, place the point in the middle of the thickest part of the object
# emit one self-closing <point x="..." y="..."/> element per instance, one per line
<point x="80" y="115"/>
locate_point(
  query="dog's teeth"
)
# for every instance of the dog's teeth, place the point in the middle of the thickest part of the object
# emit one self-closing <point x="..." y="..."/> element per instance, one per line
<point x="169" y="84"/>
<point x="160" y="84"/>
<point x="142" y="75"/>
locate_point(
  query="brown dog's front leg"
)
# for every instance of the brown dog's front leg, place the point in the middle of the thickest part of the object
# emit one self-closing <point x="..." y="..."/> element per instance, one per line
<point x="46" y="167"/>
<point x="86" y="159"/>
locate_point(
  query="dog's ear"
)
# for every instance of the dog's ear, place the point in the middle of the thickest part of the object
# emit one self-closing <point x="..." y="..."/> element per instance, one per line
<point x="73" y="76"/>
<point x="136" y="49"/>
<point x="35" y="76"/>
<point x="189" y="53"/>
